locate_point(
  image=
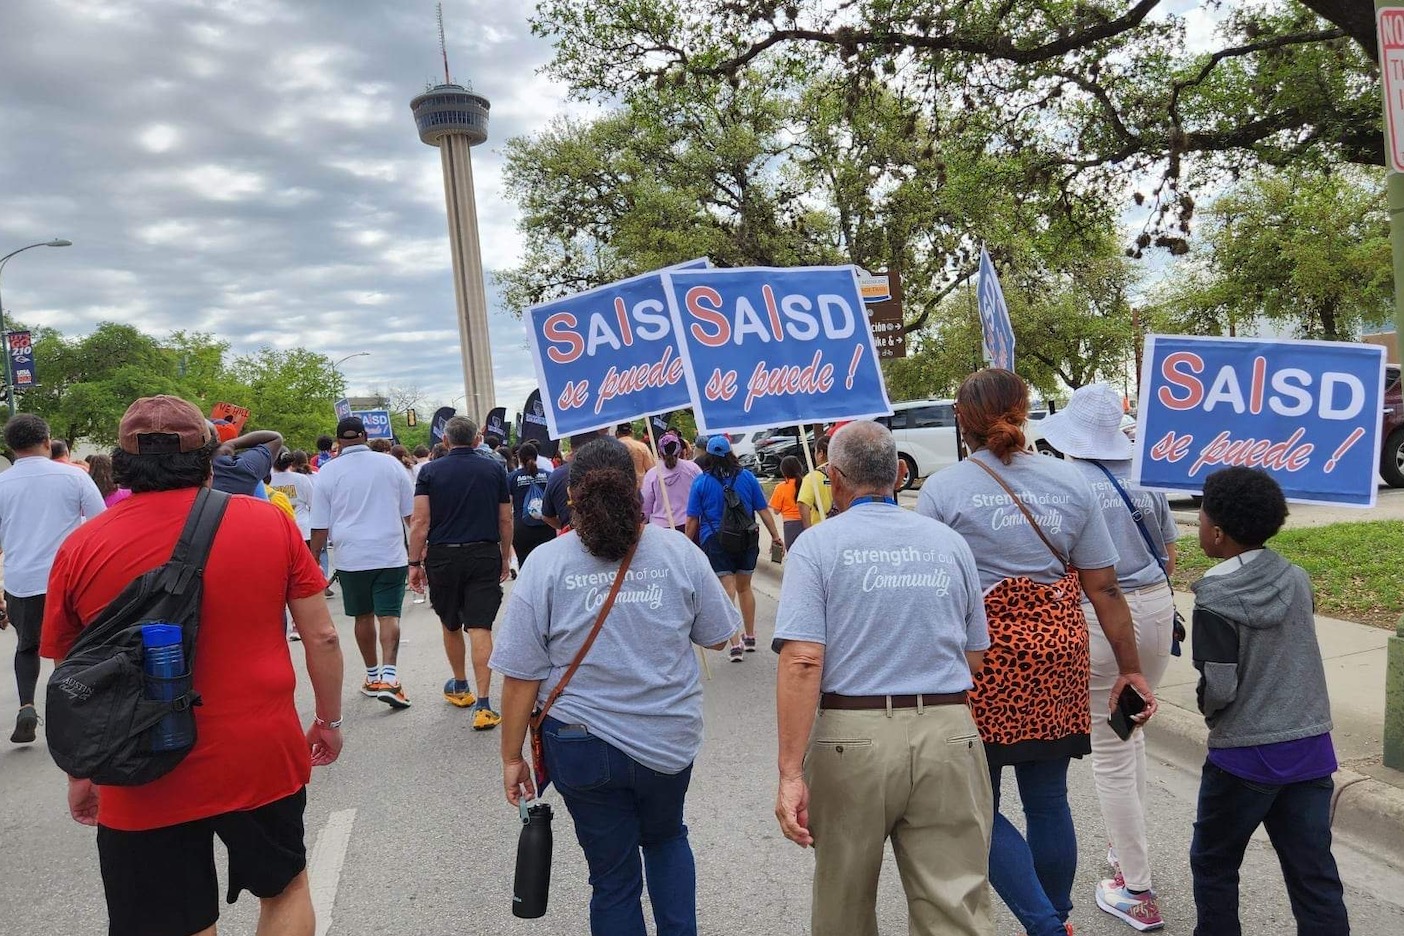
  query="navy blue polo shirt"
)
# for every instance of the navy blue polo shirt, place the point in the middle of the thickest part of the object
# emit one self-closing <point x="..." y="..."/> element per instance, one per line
<point x="557" y="502"/>
<point x="465" y="490"/>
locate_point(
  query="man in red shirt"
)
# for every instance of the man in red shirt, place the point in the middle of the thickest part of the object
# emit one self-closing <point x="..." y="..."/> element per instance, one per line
<point x="245" y="780"/>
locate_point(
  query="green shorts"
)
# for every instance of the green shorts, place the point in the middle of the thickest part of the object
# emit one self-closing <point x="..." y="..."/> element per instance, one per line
<point x="375" y="591"/>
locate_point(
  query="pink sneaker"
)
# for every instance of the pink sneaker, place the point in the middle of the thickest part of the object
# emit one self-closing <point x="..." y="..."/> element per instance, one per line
<point x="1139" y="911"/>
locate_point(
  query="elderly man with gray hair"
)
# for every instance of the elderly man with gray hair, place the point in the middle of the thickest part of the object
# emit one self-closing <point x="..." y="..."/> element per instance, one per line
<point x="881" y="626"/>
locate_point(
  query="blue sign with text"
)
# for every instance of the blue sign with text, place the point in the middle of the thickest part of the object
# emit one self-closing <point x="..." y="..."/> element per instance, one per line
<point x="1309" y="413"/>
<point x="377" y="423"/>
<point x="607" y="356"/>
<point x="996" y="333"/>
<point x="768" y="347"/>
<point x="21" y="351"/>
<point x="343" y="408"/>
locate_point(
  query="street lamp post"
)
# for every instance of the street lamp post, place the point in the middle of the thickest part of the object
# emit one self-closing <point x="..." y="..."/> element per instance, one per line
<point x="336" y="367"/>
<point x="4" y="326"/>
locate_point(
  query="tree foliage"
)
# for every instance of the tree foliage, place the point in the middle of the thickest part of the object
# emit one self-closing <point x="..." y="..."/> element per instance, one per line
<point x="87" y="382"/>
<point x="1072" y="326"/>
<point x="1090" y="96"/>
<point x="1306" y="253"/>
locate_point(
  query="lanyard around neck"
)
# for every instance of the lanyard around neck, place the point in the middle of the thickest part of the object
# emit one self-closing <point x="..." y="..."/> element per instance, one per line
<point x="873" y="499"/>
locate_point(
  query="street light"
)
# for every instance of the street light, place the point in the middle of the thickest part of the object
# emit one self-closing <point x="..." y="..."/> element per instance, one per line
<point x="336" y="367"/>
<point x="4" y="328"/>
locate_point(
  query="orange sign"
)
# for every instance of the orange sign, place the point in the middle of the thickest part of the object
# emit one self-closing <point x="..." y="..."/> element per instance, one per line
<point x="235" y="415"/>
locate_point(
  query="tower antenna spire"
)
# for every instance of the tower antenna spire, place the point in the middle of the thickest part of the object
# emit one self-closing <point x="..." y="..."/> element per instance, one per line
<point x="443" y="46"/>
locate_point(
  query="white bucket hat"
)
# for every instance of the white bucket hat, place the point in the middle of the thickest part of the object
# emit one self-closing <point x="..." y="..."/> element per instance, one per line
<point x="1089" y="426"/>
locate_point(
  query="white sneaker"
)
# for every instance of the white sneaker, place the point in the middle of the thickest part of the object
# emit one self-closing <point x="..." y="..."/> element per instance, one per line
<point x="1139" y="911"/>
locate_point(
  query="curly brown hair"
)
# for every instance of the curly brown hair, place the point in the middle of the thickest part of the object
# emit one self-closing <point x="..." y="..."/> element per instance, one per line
<point x="605" y="504"/>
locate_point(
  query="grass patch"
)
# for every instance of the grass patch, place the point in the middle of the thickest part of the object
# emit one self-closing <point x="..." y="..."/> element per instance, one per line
<point x="1354" y="567"/>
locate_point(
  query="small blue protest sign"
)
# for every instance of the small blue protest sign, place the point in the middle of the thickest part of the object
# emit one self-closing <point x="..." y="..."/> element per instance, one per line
<point x="1307" y="412"/>
<point x="377" y="423"/>
<point x="607" y="356"/>
<point x="768" y="347"/>
<point x="996" y="333"/>
<point x="343" y="408"/>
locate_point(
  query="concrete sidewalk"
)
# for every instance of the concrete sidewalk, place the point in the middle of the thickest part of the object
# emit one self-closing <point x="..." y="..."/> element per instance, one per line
<point x="1369" y="804"/>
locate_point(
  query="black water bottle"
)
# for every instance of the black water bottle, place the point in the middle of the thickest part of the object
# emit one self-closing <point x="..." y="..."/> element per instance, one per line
<point x="532" y="886"/>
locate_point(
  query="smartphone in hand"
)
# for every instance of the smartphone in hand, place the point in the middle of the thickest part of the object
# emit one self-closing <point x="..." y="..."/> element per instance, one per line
<point x="1130" y="704"/>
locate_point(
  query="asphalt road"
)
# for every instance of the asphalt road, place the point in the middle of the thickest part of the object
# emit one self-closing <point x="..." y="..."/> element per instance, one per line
<point x="410" y="834"/>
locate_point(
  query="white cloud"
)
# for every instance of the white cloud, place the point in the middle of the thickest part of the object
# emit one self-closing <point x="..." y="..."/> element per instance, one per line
<point x="159" y="138"/>
<point x="221" y="183"/>
<point x="301" y="207"/>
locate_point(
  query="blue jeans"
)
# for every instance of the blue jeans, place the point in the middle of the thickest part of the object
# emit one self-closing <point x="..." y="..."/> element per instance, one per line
<point x="1298" y="821"/>
<point x="620" y="807"/>
<point x="1034" y="878"/>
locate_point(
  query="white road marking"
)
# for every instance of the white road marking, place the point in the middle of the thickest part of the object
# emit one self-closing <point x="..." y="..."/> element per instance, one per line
<point x="324" y="865"/>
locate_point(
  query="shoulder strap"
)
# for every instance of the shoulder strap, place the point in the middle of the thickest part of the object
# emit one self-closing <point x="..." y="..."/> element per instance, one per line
<point x="540" y="716"/>
<point x="1018" y="502"/>
<point x="191" y="551"/>
<point x="1136" y="515"/>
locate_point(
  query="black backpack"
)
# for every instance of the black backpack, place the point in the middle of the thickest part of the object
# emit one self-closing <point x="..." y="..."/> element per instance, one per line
<point x="98" y="716"/>
<point x="739" y="533"/>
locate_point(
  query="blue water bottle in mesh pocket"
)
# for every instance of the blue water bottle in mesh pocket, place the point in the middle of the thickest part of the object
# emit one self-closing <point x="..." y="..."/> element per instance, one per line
<point x="163" y="660"/>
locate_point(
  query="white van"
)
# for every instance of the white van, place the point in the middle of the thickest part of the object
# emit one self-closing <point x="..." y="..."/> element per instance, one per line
<point x="925" y="432"/>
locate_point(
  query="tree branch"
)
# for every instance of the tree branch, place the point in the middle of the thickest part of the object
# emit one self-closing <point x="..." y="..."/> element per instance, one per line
<point x="997" y="47"/>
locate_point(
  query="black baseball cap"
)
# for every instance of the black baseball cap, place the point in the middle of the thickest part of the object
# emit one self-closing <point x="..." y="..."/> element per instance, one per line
<point x="350" y="428"/>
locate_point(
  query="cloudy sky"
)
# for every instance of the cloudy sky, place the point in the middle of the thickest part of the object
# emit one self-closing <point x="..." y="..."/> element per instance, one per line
<point x="250" y="168"/>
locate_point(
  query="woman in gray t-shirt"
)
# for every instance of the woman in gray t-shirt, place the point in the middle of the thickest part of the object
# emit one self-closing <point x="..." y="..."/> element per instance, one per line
<point x="619" y="742"/>
<point x="1088" y="433"/>
<point x="1039" y="539"/>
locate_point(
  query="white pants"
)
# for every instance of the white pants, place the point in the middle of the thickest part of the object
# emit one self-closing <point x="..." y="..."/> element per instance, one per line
<point x="1120" y="766"/>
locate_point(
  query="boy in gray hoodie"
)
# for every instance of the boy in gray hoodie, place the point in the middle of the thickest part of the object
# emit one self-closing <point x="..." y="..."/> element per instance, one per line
<point x="1262" y="689"/>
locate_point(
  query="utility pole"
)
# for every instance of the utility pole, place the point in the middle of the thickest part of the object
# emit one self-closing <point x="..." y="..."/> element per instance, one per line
<point x="1390" y="26"/>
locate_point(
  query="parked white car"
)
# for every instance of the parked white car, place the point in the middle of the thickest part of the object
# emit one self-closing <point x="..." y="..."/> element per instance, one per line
<point x="925" y="432"/>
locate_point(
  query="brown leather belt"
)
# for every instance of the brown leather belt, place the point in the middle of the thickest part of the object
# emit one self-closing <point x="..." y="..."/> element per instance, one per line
<point x="832" y="700"/>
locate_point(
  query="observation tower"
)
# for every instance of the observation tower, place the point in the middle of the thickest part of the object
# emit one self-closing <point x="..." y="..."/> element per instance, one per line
<point x="455" y="119"/>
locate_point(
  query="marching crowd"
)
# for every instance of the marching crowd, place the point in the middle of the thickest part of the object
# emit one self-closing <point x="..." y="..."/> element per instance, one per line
<point x="1020" y="617"/>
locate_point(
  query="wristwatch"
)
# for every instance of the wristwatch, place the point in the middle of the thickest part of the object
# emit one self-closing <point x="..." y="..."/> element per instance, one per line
<point x="418" y="563"/>
<point x="317" y="719"/>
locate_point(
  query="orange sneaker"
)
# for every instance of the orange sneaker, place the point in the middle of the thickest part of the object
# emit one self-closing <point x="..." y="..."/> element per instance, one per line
<point x="393" y="694"/>
<point x="372" y="688"/>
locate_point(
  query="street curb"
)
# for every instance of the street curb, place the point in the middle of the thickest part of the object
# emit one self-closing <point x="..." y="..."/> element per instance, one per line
<point x="1367" y="811"/>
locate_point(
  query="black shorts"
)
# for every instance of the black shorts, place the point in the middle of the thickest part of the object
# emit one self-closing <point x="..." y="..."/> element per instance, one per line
<point x="465" y="584"/>
<point x="162" y="882"/>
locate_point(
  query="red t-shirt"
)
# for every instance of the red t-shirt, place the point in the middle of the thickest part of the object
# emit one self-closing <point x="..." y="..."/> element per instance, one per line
<point x="250" y="747"/>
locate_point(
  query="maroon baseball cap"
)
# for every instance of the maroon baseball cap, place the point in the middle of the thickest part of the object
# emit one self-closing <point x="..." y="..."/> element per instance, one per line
<point x="162" y="425"/>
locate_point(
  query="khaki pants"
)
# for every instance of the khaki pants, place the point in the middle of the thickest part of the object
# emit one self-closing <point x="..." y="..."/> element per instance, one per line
<point x="919" y="777"/>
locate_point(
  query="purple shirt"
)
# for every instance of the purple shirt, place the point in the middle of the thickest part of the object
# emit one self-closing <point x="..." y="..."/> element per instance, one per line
<point x="679" y="482"/>
<point x="1281" y="763"/>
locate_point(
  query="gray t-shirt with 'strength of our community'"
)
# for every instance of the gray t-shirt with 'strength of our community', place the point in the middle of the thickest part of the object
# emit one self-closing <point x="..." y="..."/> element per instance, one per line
<point x="1135" y="567"/>
<point x="639" y="687"/>
<point x="975" y="506"/>
<point x="894" y="598"/>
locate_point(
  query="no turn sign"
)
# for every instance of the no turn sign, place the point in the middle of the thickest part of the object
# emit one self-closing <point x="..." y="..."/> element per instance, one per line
<point x="1391" y="30"/>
